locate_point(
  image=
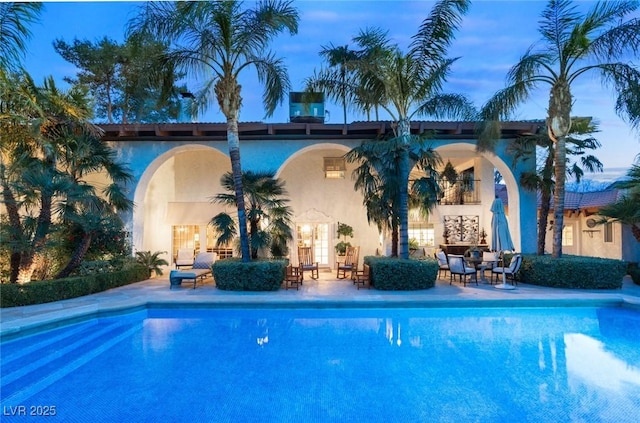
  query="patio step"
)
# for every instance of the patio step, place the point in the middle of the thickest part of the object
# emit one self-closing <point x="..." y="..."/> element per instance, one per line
<point x="25" y="374"/>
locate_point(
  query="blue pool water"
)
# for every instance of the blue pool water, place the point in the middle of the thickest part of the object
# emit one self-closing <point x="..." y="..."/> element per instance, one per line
<point x="331" y="365"/>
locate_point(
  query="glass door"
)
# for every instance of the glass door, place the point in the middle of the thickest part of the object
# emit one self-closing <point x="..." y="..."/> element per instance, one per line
<point x="315" y="235"/>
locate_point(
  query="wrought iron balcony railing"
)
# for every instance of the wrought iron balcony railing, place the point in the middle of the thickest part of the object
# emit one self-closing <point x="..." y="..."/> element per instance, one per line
<point x="462" y="191"/>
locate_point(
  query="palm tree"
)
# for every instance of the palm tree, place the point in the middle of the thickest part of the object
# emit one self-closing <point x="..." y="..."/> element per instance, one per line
<point x="346" y="78"/>
<point x="151" y="261"/>
<point x="84" y="204"/>
<point x="541" y="180"/>
<point x="269" y="216"/>
<point x="573" y="44"/>
<point x="14" y="31"/>
<point x="410" y="84"/>
<point x="340" y="57"/>
<point x="377" y="177"/>
<point x="627" y="209"/>
<point x="217" y="40"/>
<point x="48" y="149"/>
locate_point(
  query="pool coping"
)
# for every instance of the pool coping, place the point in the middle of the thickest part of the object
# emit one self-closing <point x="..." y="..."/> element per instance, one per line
<point x="326" y="292"/>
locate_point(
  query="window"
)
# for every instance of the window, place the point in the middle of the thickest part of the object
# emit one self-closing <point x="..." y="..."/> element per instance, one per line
<point x="608" y="232"/>
<point x="424" y="234"/>
<point x="567" y="236"/>
<point x="334" y="167"/>
<point x="186" y="236"/>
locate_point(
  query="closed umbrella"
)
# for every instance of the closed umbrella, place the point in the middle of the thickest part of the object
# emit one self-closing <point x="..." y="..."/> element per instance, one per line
<point x="500" y="236"/>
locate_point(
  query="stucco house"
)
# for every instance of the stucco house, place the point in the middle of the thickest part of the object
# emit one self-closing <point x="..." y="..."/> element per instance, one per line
<point x="177" y="169"/>
<point x="583" y="234"/>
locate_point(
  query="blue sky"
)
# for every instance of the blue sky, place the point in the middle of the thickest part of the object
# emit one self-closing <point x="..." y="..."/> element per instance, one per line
<point x="493" y="35"/>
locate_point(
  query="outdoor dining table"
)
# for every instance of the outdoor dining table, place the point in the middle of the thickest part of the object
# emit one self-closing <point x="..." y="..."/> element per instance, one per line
<point x="480" y="265"/>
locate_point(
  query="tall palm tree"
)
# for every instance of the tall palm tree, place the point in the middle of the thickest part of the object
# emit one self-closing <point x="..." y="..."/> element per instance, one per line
<point x="542" y="180"/>
<point x="573" y="45"/>
<point x="14" y="30"/>
<point x="410" y="84"/>
<point x="340" y="58"/>
<point x="269" y="216"/>
<point x="346" y="78"/>
<point x="216" y="41"/>
<point x="378" y="179"/>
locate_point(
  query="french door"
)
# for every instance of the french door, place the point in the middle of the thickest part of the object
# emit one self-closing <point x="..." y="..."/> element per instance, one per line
<point x="316" y="236"/>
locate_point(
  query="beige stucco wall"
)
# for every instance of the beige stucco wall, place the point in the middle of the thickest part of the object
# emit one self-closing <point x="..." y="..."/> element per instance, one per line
<point x="312" y="195"/>
<point x="184" y="177"/>
<point x="588" y="241"/>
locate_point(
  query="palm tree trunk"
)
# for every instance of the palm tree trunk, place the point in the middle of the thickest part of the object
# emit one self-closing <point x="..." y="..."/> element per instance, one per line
<point x="228" y="95"/>
<point x="558" y="196"/>
<point x="16" y="229"/>
<point x="27" y="262"/>
<point x="236" y="170"/>
<point x="545" y="206"/>
<point x="545" y="202"/>
<point x="403" y="169"/>
<point x="394" y="239"/>
<point x="76" y="257"/>
<point x="559" y="124"/>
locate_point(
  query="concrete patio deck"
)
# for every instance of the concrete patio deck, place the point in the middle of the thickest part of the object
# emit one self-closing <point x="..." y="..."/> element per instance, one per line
<point x="326" y="292"/>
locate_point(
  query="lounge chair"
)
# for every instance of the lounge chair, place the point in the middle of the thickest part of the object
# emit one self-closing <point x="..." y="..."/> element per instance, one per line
<point x="362" y="277"/>
<point x="510" y="271"/>
<point x="350" y="263"/>
<point x="305" y="257"/>
<point x="293" y="276"/>
<point x="200" y="269"/>
<point x="443" y="264"/>
<point x="184" y="258"/>
<point x="458" y="267"/>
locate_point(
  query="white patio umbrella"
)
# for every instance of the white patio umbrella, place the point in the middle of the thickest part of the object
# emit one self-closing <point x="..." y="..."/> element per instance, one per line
<point x="500" y="236"/>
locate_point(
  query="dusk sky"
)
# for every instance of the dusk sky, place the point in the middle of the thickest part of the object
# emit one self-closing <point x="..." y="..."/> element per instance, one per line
<point x="493" y="36"/>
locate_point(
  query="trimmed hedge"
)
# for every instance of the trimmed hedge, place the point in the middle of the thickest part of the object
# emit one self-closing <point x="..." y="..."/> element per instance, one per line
<point x="634" y="271"/>
<point x="394" y="274"/>
<point x="258" y="275"/>
<point x="572" y="272"/>
<point x="39" y="292"/>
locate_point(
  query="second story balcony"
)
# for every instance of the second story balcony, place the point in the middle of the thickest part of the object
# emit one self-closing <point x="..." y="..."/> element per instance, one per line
<point x="461" y="191"/>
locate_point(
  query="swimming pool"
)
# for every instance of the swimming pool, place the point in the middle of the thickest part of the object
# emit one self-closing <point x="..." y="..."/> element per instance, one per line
<point x="331" y="365"/>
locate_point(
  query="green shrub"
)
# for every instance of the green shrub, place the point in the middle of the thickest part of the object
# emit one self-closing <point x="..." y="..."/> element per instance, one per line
<point x="257" y="275"/>
<point x="634" y="271"/>
<point x="572" y="272"/>
<point x="394" y="274"/>
<point x="39" y="292"/>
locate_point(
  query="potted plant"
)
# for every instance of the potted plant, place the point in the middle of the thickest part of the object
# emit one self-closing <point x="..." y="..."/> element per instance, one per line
<point x="344" y="231"/>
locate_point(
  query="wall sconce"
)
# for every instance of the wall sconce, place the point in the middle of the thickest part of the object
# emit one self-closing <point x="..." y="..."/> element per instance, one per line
<point x="196" y="237"/>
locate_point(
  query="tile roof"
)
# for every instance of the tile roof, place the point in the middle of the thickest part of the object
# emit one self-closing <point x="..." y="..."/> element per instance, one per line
<point x="573" y="200"/>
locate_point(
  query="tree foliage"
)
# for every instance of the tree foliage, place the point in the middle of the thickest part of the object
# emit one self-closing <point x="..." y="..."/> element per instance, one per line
<point x="129" y="82"/>
<point x="405" y="85"/>
<point x="49" y="152"/>
<point x="268" y="215"/>
<point x="215" y="42"/>
<point x="604" y="41"/>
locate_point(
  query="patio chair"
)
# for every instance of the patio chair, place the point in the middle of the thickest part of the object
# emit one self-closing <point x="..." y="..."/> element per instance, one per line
<point x="200" y="269"/>
<point x="293" y="276"/>
<point x="350" y="263"/>
<point x="184" y="258"/>
<point x="443" y="264"/>
<point x="458" y="267"/>
<point x="305" y="257"/>
<point x="510" y="271"/>
<point x="490" y="260"/>
<point x="362" y="277"/>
